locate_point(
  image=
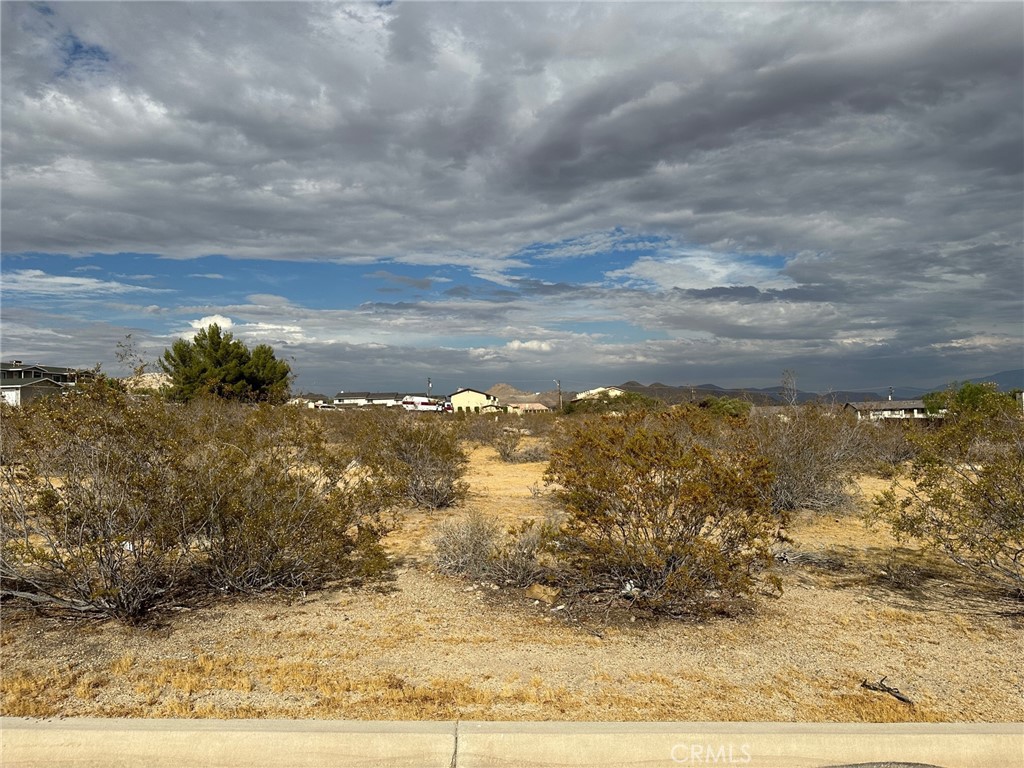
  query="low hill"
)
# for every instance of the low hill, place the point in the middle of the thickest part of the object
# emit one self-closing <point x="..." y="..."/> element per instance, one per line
<point x="507" y="394"/>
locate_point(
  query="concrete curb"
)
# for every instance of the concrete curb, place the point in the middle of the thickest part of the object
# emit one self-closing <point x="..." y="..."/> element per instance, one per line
<point x="113" y="743"/>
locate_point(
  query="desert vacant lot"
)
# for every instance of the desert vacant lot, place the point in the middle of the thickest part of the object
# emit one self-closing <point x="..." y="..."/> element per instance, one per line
<point x="425" y="646"/>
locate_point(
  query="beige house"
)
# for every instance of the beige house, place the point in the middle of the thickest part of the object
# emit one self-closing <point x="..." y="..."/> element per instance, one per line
<point x="522" y="408"/>
<point x="473" y="400"/>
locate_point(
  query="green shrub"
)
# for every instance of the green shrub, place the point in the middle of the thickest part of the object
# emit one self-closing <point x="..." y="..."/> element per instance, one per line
<point x="117" y="506"/>
<point x="963" y="494"/>
<point x="658" y="512"/>
<point x="418" y="456"/>
<point x="97" y="502"/>
<point x="627" y="402"/>
<point x="281" y="509"/>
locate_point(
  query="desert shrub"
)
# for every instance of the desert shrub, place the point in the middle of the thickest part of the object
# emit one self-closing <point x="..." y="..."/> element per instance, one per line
<point x="516" y="561"/>
<point x="506" y="442"/>
<point x="116" y="506"/>
<point x="534" y="452"/>
<point x="476" y="548"/>
<point x="418" y="456"/>
<point x="963" y="494"/>
<point x="485" y="428"/>
<point x="813" y="453"/>
<point x="96" y="502"/>
<point x="887" y="445"/>
<point x="627" y="402"/>
<point x="466" y="547"/>
<point x="537" y="424"/>
<point x="280" y="508"/>
<point x="726" y="406"/>
<point x="653" y="509"/>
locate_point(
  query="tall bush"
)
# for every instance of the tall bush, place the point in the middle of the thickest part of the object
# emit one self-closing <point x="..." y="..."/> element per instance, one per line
<point x="114" y="505"/>
<point x="281" y="508"/>
<point x="963" y="494"/>
<point x="656" y="510"/>
<point x="418" y="456"/>
<point x="97" y="502"/>
<point x="813" y="453"/>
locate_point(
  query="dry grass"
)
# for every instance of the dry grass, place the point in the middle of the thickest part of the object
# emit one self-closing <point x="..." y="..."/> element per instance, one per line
<point x="429" y="647"/>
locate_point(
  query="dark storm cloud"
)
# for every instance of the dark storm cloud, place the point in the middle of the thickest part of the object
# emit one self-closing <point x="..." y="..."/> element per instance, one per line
<point x="876" y="148"/>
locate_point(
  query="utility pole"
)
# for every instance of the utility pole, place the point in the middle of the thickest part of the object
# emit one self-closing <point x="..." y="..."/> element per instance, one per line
<point x="428" y="386"/>
<point x="558" y="383"/>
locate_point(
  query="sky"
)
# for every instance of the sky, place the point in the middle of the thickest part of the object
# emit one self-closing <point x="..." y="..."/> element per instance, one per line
<point x="484" y="192"/>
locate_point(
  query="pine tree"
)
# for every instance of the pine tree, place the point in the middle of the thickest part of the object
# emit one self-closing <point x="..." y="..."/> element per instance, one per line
<point x="216" y="363"/>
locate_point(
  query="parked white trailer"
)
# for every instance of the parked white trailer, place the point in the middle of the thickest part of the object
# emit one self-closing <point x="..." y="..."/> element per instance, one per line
<point x="421" y="403"/>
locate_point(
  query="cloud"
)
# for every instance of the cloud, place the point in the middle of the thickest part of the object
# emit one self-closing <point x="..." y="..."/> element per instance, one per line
<point x="224" y="323"/>
<point x="699" y="270"/>
<point x="35" y="282"/>
<point x="722" y="187"/>
<point x="530" y="346"/>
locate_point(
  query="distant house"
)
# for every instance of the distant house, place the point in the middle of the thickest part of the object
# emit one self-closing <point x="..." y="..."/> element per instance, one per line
<point x="890" y="409"/>
<point x="593" y="394"/>
<point x="522" y="408"/>
<point x="359" y="399"/>
<point x="781" y="412"/>
<point x="20" y="384"/>
<point x="471" y="400"/>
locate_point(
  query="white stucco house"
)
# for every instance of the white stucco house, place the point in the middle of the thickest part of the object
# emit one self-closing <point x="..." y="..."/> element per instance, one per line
<point x="593" y="394"/>
<point x="890" y="409"/>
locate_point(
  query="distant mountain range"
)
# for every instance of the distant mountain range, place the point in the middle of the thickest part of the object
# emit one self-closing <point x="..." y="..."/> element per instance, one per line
<point x="1005" y="380"/>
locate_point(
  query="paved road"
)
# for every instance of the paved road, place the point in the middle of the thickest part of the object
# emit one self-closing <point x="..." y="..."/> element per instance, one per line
<point x="117" y="743"/>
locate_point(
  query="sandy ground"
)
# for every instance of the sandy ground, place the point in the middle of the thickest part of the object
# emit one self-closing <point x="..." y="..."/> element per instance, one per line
<point x="426" y="646"/>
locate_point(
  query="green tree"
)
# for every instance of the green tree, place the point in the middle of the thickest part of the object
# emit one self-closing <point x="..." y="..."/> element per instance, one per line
<point x="968" y="396"/>
<point x="216" y="363"/>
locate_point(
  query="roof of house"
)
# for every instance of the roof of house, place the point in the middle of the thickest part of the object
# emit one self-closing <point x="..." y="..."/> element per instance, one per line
<point x="368" y="396"/>
<point x="470" y="389"/>
<point x="17" y="365"/>
<point x="888" y="405"/>
<point x="596" y="392"/>
<point x="25" y="383"/>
